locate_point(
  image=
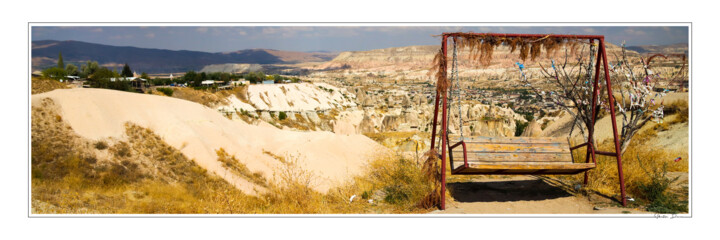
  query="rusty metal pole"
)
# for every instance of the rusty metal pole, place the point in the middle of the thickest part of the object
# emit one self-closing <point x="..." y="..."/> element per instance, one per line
<point x="444" y="126"/>
<point x="434" y="128"/>
<point x="591" y="128"/>
<point x="611" y="103"/>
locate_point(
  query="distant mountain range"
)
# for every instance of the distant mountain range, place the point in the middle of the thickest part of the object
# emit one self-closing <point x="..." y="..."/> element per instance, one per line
<point x="45" y="54"/>
<point x="677" y="48"/>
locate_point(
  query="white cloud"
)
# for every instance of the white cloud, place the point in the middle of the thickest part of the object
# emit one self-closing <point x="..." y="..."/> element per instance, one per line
<point x="286" y="32"/>
<point x="126" y="36"/>
<point x="201" y="29"/>
<point x="589" y="30"/>
<point x="633" y="31"/>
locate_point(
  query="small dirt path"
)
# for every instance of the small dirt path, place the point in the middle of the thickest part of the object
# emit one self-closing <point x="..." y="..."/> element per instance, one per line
<point x="524" y="195"/>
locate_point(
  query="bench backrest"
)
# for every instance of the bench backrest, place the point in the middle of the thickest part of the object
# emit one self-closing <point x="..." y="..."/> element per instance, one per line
<point x="517" y="149"/>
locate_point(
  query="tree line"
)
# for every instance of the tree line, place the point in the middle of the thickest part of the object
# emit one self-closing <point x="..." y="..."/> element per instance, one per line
<point x="100" y="76"/>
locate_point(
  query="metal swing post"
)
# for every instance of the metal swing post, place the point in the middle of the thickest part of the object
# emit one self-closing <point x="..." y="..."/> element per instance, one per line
<point x="444" y="136"/>
<point x="591" y="130"/>
<point x="602" y="56"/>
<point x="435" y="117"/>
<point x="611" y="103"/>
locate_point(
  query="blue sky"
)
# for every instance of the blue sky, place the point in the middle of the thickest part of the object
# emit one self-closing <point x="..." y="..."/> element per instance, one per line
<point x="325" y="38"/>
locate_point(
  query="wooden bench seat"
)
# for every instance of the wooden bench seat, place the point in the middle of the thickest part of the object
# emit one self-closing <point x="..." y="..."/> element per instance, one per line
<point x="518" y="155"/>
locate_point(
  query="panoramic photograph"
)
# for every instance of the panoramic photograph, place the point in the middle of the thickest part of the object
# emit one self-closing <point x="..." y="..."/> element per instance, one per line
<point x="426" y="120"/>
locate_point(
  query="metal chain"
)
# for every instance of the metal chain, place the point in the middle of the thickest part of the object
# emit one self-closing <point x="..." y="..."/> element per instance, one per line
<point x="456" y="85"/>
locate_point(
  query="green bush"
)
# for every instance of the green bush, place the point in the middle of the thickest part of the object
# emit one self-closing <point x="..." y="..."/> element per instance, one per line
<point x="656" y="191"/>
<point x="55" y="73"/>
<point x="100" y="145"/>
<point x="520" y="127"/>
<point x="166" y="91"/>
<point x="282" y="116"/>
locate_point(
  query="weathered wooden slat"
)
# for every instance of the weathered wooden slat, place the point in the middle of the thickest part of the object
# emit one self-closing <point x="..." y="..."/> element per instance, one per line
<point x="525" y="147"/>
<point x="490" y="155"/>
<point x="513" y="157"/>
<point x="529" y="164"/>
<point x="454" y="139"/>
<point x="551" y="168"/>
<point x="534" y="166"/>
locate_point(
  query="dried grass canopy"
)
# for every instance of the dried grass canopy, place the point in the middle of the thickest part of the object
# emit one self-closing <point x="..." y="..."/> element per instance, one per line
<point x="482" y="46"/>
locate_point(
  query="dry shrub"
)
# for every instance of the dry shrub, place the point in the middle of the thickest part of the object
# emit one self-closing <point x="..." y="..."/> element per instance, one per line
<point x="299" y="123"/>
<point x="679" y="107"/>
<point x="657" y="190"/>
<point x="241" y="92"/>
<point x="203" y="97"/>
<point x="291" y="191"/>
<point x="40" y="85"/>
<point x="231" y="163"/>
<point x="604" y="178"/>
<point x="397" y="184"/>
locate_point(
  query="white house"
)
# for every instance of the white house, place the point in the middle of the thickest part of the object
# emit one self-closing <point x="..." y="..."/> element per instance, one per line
<point x="127" y="79"/>
<point x="239" y="83"/>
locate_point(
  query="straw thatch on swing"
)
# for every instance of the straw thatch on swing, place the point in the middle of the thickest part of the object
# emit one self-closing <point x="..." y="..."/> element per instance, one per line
<point x="440" y="70"/>
<point x="431" y="169"/>
<point x="482" y="47"/>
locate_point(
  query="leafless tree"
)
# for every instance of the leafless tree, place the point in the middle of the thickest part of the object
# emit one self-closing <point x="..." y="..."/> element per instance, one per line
<point x="571" y="89"/>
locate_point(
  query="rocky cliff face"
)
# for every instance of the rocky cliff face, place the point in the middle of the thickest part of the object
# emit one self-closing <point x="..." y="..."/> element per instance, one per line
<point x="399" y="58"/>
<point x="420" y="58"/>
<point x="484" y="120"/>
<point x="232" y="68"/>
<point x="532" y="130"/>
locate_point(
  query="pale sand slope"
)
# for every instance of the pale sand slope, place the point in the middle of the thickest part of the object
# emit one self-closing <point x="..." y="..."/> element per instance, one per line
<point x="348" y="121"/>
<point x="298" y="97"/>
<point x="235" y="104"/>
<point x="198" y="131"/>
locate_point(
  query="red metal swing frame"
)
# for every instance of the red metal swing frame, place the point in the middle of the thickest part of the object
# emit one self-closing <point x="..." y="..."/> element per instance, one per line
<point x="591" y="151"/>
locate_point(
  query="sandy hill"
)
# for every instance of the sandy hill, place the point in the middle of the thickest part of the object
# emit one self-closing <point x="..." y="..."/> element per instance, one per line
<point x="232" y="68"/>
<point x="298" y="57"/>
<point x="298" y="97"/>
<point x="198" y="131"/>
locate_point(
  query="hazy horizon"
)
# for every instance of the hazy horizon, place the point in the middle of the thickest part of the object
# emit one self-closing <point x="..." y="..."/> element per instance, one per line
<point x="326" y="38"/>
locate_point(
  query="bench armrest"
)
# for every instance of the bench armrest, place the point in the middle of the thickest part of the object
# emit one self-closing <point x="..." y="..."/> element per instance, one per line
<point x="464" y="151"/>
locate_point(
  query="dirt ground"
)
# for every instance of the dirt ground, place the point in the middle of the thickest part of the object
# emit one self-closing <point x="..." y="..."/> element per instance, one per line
<point x="525" y="195"/>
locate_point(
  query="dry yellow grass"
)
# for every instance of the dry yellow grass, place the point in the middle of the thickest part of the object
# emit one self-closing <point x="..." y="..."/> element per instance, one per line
<point x="209" y="98"/>
<point x="233" y="164"/>
<point x="40" y="85"/>
<point x="299" y="123"/>
<point x="199" y="96"/>
<point x="639" y="162"/>
<point x="143" y="174"/>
